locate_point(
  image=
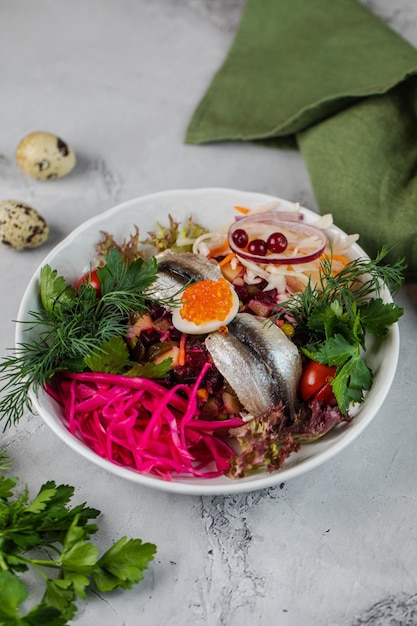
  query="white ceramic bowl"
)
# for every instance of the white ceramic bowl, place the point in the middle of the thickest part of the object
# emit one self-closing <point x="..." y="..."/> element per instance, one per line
<point x="211" y="207"/>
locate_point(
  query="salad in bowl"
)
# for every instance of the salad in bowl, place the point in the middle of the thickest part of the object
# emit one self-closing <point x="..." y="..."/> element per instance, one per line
<point x="233" y="342"/>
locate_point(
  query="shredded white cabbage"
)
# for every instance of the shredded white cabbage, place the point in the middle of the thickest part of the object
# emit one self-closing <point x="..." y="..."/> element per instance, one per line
<point x="286" y="279"/>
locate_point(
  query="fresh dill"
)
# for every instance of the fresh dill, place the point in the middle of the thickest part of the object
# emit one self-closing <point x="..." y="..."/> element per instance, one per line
<point x="332" y="318"/>
<point x="72" y="325"/>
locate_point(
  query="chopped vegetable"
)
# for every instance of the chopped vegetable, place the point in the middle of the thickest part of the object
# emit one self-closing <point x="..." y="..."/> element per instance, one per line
<point x="138" y="423"/>
<point x="219" y="250"/>
<point x="242" y="209"/>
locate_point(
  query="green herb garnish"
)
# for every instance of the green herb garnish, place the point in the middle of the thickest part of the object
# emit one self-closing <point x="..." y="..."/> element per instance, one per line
<point x="76" y="329"/>
<point x="48" y="537"/>
<point x="175" y="237"/>
<point x="333" y="317"/>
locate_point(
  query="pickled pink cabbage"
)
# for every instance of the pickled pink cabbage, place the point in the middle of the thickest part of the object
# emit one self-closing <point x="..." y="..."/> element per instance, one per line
<point x="140" y="424"/>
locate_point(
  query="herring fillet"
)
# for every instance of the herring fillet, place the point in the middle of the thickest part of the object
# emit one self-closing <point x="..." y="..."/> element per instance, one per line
<point x="276" y="350"/>
<point x="259" y="362"/>
<point x="248" y="376"/>
<point x="176" y="270"/>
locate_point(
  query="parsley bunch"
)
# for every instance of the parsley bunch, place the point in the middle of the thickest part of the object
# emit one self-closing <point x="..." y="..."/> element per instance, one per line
<point x="333" y="317"/>
<point x="46" y="536"/>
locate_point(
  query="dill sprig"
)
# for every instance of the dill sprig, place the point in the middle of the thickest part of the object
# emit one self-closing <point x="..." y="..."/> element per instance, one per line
<point x="359" y="281"/>
<point x="72" y="325"/>
<point x="333" y="317"/>
<point x="29" y="367"/>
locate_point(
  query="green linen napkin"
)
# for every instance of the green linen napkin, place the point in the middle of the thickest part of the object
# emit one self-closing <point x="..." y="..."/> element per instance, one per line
<point x="328" y="77"/>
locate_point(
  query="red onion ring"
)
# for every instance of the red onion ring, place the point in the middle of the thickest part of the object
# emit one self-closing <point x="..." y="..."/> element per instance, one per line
<point x="278" y="221"/>
<point x="286" y="216"/>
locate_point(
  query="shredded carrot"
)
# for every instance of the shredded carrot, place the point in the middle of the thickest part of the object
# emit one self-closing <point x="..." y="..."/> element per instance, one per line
<point x="340" y="257"/>
<point x="202" y="393"/>
<point x="242" y="209"/>
<point x="181" y="354"/>
<point x="227" y="259"/>
<point x="217" y="250"/>
<point x="335" y="257"/>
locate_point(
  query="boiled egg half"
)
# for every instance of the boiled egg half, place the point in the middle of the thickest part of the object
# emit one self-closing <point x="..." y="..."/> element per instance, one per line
<point x="205" y="307"/>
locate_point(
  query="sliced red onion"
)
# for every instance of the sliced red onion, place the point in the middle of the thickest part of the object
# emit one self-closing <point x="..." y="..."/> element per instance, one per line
<point x="278" y="221"/>
<point x="288" y="216"/>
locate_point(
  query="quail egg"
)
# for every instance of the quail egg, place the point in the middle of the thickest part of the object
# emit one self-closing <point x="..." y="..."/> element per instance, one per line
<point x="45" y="156"/>
<point x="21" y="226"/>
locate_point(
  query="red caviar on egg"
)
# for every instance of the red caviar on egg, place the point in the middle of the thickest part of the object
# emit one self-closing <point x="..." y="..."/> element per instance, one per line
<point x="206" y="306"/>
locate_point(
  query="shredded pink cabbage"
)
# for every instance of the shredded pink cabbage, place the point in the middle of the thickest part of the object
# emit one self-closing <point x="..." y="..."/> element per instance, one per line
<point x="140" y="424"/>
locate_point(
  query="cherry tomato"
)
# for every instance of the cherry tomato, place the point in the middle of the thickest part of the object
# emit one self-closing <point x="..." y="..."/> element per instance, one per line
<point x="89" y="278"/>
<point x="315" y="381"/>
<point x="326" y="396"/>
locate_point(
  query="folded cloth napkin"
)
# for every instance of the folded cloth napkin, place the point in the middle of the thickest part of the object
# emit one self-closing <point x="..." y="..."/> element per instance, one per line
<point x="328" y="77"/>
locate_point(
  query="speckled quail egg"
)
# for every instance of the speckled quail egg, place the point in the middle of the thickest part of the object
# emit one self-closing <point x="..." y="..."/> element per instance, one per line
<point x="45" y="156"/>
<point x="21" y="226"/>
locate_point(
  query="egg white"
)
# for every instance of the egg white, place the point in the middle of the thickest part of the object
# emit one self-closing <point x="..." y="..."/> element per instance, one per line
<point x="185" y="326"/>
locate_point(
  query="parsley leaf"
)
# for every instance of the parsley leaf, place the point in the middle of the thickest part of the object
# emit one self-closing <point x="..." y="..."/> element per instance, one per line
<point x="335" y="351"/>
<point x="352" y="377"/>
<point x="48" y="525"/>
<point x="54" y="290"/>
<point x="122" y="565"/>
<point x="376" y="316"/>
<point x="333" y="317"/>
<point x="111" y="357"/>
<point x="119" y="279"/>
<point x="350" y="381"/>
<point x="12" y="593"/>
<point x="151" y="369"/>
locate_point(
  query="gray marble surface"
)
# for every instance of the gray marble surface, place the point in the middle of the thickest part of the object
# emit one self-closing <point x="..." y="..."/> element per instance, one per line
<point x="337" y="546"/>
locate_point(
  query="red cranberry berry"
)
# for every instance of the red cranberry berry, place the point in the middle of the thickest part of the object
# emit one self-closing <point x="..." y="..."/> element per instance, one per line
<point x="258" y="247"/>
<point x="240" y="238"/>
<point x="277" y="242"/>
